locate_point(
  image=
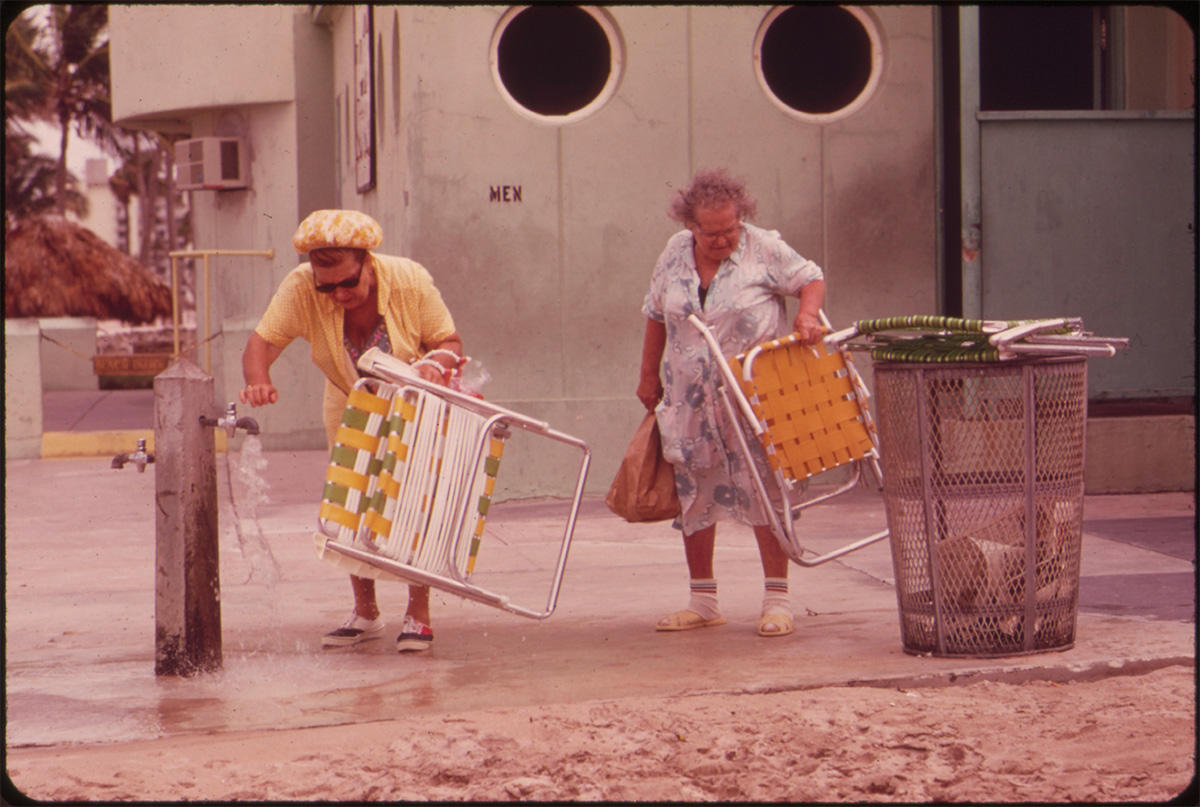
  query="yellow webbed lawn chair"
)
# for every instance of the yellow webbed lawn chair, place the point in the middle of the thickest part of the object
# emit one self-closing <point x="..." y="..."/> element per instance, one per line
<point x="807" y="406"/>
<point x="410" y="481"/>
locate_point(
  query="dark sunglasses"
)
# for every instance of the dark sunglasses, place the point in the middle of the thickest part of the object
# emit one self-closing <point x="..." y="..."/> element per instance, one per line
<point x="348" y="283"/>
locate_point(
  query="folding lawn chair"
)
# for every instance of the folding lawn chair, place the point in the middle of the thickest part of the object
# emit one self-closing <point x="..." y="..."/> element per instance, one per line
<point x="410" y="481"/>
<point x="807" y="406"/>
<point x="934" y="339"/>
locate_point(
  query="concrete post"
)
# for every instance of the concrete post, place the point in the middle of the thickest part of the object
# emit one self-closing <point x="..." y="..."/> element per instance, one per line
<point x="187" y="587"/>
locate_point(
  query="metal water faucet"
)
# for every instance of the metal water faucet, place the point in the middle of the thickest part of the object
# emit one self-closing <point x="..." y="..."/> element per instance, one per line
<point x="230" y="422"/>
<point x="139" y="458"/>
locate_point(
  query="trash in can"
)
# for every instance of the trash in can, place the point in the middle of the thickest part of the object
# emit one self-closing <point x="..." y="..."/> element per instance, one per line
<point x="981" y="428"/>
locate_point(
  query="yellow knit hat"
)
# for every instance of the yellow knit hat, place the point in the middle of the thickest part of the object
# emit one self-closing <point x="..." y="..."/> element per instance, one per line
<point x="337" y="228"/>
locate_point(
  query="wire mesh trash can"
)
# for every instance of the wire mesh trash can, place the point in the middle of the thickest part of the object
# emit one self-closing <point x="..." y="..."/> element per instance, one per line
<point x="983" y="483"/>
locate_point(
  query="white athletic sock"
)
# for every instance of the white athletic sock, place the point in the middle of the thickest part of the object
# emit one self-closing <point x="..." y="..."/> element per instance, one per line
<point x="776" y="599"/>
<point x="704" y="598"/>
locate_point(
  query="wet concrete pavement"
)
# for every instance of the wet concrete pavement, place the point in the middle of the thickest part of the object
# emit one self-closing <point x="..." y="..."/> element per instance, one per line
<point x="79" y="555"/>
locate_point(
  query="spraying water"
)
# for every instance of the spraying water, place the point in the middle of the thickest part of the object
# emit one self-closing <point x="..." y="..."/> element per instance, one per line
<point x="248" y="490"/>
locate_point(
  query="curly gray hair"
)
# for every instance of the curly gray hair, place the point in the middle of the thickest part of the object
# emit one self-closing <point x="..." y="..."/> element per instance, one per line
<point x="712" y="188"/>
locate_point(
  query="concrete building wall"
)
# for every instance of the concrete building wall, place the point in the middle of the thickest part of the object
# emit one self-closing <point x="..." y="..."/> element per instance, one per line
<point x="293" y="173"/>
<point x="62" y="365"/>
<point x="546" y="278"/>
<point x="22" y="389"/>
<point x="266" y="79"/>
<point x="1071" y="197"/>
<point x="547" y="289"/>
<point x="188" y="57"/>
<point x="102" y="202"/>
<point x="316" y="137"/>
<point x="1147" y="454"/>
<point x="261" y="218"/>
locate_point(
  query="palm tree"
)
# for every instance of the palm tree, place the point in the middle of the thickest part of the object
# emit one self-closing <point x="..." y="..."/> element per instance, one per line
<point x="22" y="96"/>
<point x="56" y="69"/>
<point x="30" y="182"/>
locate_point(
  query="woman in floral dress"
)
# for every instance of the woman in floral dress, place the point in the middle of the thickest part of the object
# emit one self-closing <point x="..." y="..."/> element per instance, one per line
<point x="734" y="277"/>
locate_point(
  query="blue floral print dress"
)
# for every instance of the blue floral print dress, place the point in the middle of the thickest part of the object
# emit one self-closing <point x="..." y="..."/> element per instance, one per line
<point x="744" y="307"/>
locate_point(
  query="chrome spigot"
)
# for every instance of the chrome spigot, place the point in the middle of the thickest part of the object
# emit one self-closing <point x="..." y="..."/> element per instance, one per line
<point x="139" y="458"/>
<point x="230" y="422"/>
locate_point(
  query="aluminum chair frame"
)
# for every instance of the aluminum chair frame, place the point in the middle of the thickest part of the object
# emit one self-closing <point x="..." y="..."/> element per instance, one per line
<point x="361" y="558"/>
<point x="918" y="338"/>
<point x="782" y="520"/>
<point x="914" y="338"/>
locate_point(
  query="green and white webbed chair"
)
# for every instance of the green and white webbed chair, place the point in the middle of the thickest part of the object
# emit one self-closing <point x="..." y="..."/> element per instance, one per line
<point x="410" y="482"/>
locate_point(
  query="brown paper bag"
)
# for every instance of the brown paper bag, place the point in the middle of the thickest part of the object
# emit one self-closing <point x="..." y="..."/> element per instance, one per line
<point x="644" y="487"/>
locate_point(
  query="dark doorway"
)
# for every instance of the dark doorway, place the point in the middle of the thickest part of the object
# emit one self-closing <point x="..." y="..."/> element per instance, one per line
<point x="1043" y="57"/>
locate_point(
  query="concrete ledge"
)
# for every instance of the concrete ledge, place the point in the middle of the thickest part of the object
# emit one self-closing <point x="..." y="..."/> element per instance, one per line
<point x="63" y="369"/>
<point x="22" y="388"/>
<point x="1141" y="454"/>
<point x="106" y="443"/>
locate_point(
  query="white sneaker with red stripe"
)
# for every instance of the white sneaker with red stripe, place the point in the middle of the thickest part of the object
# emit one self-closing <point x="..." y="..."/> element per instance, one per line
<point x="414" y="635"/>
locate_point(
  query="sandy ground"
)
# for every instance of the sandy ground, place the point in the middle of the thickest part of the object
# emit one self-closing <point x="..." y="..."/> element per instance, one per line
<point x="1120" y="739"/>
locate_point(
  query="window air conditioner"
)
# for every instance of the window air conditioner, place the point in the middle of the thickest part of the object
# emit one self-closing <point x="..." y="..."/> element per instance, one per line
<point x="211" y="163"/>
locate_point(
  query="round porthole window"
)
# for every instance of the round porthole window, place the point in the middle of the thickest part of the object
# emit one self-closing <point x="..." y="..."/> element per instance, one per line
<point x="556" y="64"/>
<point x="816" y="62"/>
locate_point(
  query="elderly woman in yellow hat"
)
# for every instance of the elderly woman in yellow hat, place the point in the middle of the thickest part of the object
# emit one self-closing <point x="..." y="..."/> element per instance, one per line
<point x="343" y="301"/>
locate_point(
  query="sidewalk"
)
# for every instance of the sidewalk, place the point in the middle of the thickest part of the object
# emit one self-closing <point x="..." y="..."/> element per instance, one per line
<point x="79" y="555"/>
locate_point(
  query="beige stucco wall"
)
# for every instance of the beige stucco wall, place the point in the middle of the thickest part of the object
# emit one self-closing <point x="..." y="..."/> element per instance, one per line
<point x="547" y="291"/>
<point x="1147" y="454"/>
<point x="186" y="57"/>
<point x="261" y="73"/>
<point x="22" y="389"/>
<point x="260" y="219"/>
<point x="66" y="363"/>
<point x="103" y="204"/>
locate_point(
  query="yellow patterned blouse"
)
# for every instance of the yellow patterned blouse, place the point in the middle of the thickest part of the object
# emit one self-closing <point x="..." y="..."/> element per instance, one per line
<point x="411" y="306"/>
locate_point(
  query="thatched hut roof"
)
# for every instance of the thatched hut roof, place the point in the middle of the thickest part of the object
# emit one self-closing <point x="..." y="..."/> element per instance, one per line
<point x="55" y="268"/>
